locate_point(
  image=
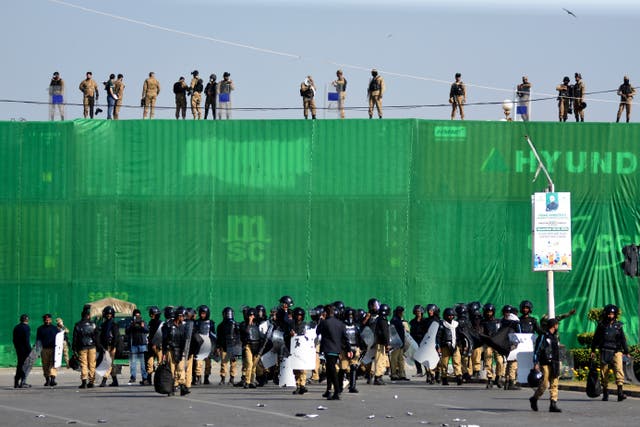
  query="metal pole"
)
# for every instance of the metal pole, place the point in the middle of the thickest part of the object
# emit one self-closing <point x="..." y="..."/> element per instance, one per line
<point x="551" y="300"/>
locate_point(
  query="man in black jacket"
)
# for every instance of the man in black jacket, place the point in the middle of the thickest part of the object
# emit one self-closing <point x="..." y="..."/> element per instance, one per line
<point x="109" y="333"/>
<point x="21" y="342"/>
<point x="85" y="338"/>
<point x="334" y="340"/>
<point x="46" y="334"/>
<point x="137" y="332"/>
<point x="546" y="356"/>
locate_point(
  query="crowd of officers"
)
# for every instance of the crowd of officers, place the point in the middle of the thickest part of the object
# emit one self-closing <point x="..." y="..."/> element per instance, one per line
<point x="217" y="95"/>
<point x="465" y="336"/>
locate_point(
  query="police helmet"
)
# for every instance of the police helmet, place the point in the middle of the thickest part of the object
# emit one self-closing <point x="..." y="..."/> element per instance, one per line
<point x="488" y="307"/>
<point x="226" y="74"/>
<point x="384" y="310"/>
<point x="339" y="305"/>
<point x="349" y="316"/>
<point x="136" y="312"/>
<point x="180" y="311"/>
<point x="514" y="310"/>
<point x="398" y="310"/>
<point x="474" y="306"/>
<point x="108" y="310"/>
<point x="154" y="311"/>
<point x="24" y="318"/>
<point x="449" y="312"/>
<point x="190" y="312"/>
<point x="298" y="311"/>
<point x="534" y="378"/>
<point x="46" y="316"/>
<point x="360" y="313"/>
<point x="261" y="311"/>
<point x="251" y="312"/>
<point x="169" y="312"/>
<point x="506" y="309"/>
<point x="526" y="304"/>
<point x="204" y="309"/>
<point x="461" y="310"/>
<point x="195" y="73"/>
<point x="227" y="313"/>
<point x="610" y="308"/>
<point x="373" y="305"/>
<point x="418" y="309"/>
<point x="431" y="307"/>
<point x="286" y="299"/>
<point x="213" y="77"/>
<point x="566" y="79"/>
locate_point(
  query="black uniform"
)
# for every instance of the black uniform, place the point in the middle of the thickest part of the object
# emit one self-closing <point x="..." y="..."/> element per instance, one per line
<point x="21" y="342"/>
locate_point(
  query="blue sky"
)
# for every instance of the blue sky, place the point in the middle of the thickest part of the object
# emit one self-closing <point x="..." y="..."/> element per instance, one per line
<point x="270" y="46"/>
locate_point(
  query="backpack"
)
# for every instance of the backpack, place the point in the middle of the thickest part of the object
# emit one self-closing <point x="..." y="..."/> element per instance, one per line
<point x="199" y="86"/>
<point x="163" y="380"/>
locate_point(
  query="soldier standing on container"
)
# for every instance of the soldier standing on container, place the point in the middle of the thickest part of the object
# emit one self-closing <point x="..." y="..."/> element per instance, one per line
<point x="118" y="90"/>
<point x="89" y="89"/>
<point x="224" y="95"/>
<point x="340" y="83"/>
<point x="524" y="94"/>
<point x="307" y="92"/>
<point x="210" y="91"/>
<point x="579" y="90"/>
<point x="457" y="97"/>
<point x="22" y="345"/>
<point x="85" y="337"/>
<point x="150" y="92"/>
<point x="109" y="87"/>
<point x="180" y="89"/>
<point x="564" y="99"/>
<point x="56" y="95"/>
<point x="375" y="91"/>
<point x="46" y="334"/>
<point x="626" y="93"/>
<point x="196" y="89"/>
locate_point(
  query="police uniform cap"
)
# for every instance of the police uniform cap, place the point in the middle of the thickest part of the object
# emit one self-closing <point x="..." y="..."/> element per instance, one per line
<point x="195" y="73"/>
<point x="566" y="79"/>
<point x="458" y="75"/>
<point x="213" y="77"/>
<point x="56" y="74"/>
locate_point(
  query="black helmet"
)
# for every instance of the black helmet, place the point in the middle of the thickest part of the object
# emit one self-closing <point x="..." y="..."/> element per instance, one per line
<point x="227" y="313"/>
<point x="534" y="378"/>
<point x="610" y="308"/>
<point x="286" y="300"/>
<point x="195" y="73"/>
<point x="108" y="310"/>
<point x="190" y="312"/>
<point x="213" y="77"/>
<point x="461" y="310"/>
<point x="169" y="312"/>
<point x="418" y="309"/>
<point x="180" y="311"/>
<point x="373" y="305"/>
<point x="566" y="79"/>
<point x="298" y="311"/>
<point x="261" y="312"/>
<point x="384" y="310"/>
<point x="474" y="306"/>
<point x="488" y="307"/>
<point x="434" y="308"/>
<point x="360" y="313"/>
<point x="398" y="310"/>
<point x="349" y="316"/>
<point x="339" y="305"/>
<point x="154" y="311"/>
<point x="506" y="309"/>
<point x="514" y="310"/>
<point x="449" y="312"/>
<point x="526" y="304"/>
<point x="204" y="309"/>
<point x="251" y="312"/>
<point x="226" y="74"/>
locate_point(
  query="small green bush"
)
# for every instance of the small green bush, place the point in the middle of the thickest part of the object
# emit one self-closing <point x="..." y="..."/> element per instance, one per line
<point x="585" y="339"/>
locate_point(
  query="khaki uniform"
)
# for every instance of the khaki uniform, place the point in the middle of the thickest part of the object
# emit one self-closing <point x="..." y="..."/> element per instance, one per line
<point x="380" y="361"/>
<point x="455" y="361"/>
<point x="153" y="354"/>
<point x="476" y="359"/>
<point x="48" y="369"/>
<point x="224" y="358"/>
<point x="196" y="100"/>
<point x="488" y="363"/>
<point x="375" y="92"/>
<point x="579" y="90"/>
<point x="112" y="353"/>
<point x="118" y="90"/>
<point x="341" y="87"/>
<point x="200" y="364"/>
<point x="177" y="370"/>
<point x="617" y="369"/>
<point x="89" y="89"/>
<point x="626" y="93"/>
<point x="307" y="91"/>
<point x="181" y="101"/>
<point x="87" y="358"/>
<point x="150" y="92"/>
<point x="547" y="379"/>
<point x="249" y="364"/>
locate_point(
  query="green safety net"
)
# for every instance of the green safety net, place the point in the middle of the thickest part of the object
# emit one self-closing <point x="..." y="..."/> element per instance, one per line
<point x="233" y="213"/>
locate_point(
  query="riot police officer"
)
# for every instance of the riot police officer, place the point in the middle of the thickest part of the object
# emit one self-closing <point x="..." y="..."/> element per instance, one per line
<point x="299" y="328"/>
<point x="490" y="326"/>
<point x="154" y="352"/>
<point x="446" y="344"/>
<point x="528" y="323"/>
<point x="417" y="332"/>
<point x="85" y="338"/>
<point x="109" y="335"/>
<point x="206" y="327"/>
<point x="229" y="345"/>
<point x="382" y="344"/>
<point x="610" y="339"/>
<point x="349" y="357"/>
<point x="565" y="93"/>
<point x="173" y="346"/>
<point x="251" y="344"/>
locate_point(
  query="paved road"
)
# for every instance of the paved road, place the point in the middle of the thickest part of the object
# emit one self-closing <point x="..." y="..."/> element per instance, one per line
<point x="406" y="403"/>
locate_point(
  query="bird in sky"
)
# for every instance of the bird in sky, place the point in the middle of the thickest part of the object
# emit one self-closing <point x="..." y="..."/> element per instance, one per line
<point x="569" y="12"/>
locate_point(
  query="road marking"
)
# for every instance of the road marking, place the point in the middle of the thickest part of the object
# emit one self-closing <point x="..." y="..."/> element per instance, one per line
<point x="442" y="405"/>
<point x="243" y="408"/>
<point x="36" y="413"/>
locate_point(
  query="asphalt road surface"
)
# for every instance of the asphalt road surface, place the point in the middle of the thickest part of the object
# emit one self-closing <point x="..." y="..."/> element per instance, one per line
<point x="396" y="404"/>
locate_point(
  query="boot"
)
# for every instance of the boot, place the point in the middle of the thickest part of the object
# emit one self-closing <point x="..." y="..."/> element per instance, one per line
<point x="497" y="382"/>
<point x="114" y="381"/>
<point x="340" y="380"/>
<point x="302" y="390"/>
<point x="90" y="384"/>
<point x="84" y="384"/>
<point x="231" y="381"/>
<point x="459" y="379"/>
<point x="296" y="391"/>
<point x="47" y="382"/>
<point x="513" y="385"/>
<point x="103" y="383"/>
<point x="621" y="395"/>
<point x="489" y="383"/>
<point x="445" y="380"/>
<point x="553" y="407"/>
<point x="241" y="383"/>
<point x="206" y="379"/>
<point x="376" y="381"/>
<point x="352" y="380"/>
<point x="16" y="382"/>
<point x="184" y="390"/>
<point x="52" y="381"/>
<point x="605" y="394"/>
<point x="534" y="403"/>
<point x="222" y="381"/>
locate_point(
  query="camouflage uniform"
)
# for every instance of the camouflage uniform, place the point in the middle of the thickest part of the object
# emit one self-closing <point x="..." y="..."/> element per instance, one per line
<point x="89" y="89"/>
<point x="375" y="91"/>
<point x="150" y="92"/>
<point x="626" y="93"/>
<point x="118" y="90"/>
